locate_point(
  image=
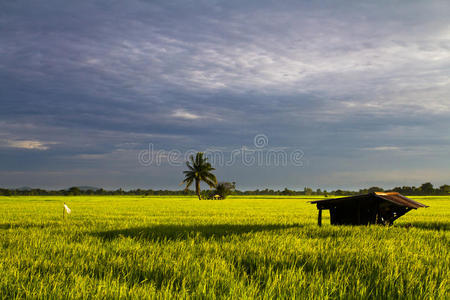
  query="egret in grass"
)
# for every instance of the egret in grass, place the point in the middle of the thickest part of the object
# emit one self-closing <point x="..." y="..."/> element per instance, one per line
<point x="199" y="170"/>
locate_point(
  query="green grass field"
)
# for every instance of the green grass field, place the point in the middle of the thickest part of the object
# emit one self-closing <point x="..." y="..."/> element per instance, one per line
<point x="241" y="247"/>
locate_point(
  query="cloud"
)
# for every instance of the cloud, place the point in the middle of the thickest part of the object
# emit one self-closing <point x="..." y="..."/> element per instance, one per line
<point x="383" y="148"/>
<point x="31" y="145"/>
<point x="179" y="113"/>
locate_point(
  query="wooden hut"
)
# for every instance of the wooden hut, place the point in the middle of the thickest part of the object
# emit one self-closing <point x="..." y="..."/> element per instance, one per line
<point x="373" y="208"/>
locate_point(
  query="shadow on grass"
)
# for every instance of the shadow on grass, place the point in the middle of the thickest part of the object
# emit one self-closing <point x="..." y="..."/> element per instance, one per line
<point x="183" y="232"/>
<point x="427" y="225"/>
<point x="26" y="225"/>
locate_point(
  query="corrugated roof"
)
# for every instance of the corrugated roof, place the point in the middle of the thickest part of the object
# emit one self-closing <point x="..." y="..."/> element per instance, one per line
<point x="399" y="199"/>
<point x="392" y="197"/>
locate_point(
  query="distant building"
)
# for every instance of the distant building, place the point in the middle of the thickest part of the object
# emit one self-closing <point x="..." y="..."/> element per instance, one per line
<point x="373" y="208"/>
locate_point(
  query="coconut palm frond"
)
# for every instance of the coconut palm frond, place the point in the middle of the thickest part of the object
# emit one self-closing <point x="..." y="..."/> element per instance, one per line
<point x="199" y="170"/>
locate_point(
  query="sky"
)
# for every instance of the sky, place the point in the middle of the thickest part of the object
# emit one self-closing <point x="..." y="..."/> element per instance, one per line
<point x="324" y="94"/>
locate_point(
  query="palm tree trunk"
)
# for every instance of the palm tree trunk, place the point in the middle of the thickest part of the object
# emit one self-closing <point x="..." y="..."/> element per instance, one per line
<point x="197" y="188"/>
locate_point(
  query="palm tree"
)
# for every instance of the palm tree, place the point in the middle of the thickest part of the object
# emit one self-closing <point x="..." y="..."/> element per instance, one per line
<point x="199" y="170"/>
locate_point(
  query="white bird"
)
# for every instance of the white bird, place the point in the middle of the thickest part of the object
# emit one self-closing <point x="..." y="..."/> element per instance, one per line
<point x="67" y="209"/>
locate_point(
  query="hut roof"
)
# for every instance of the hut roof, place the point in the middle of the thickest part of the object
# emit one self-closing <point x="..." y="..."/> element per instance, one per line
<point x="393" y="197"/>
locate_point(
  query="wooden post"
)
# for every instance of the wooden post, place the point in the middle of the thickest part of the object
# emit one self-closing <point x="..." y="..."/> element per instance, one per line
<point x="358" y="213"/>
<point x="378" y="216"/>
<point x="319" y="219"/>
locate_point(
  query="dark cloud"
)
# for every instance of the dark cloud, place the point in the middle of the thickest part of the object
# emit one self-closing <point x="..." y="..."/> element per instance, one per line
<point x="360" y="87"/>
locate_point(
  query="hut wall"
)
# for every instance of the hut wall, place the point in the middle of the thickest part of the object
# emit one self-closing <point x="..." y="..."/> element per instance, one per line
<point x="354" y="213"/>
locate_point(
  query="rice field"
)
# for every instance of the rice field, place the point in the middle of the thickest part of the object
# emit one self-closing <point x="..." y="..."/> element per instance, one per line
<point x="241" y="247"/>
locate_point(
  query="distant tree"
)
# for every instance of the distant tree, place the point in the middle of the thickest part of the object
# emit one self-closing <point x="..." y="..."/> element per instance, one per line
<point x="287" y="192"/>
<point x="339" y="192"/>
<point x="406" y="190"/>
<point x="5" y="192"/>
<point x="118" y="192"/>
<point x="74" y="191"/>
<point x="444" y="189"/>
<point x="199" y="170"/>
<point x="308" y="191"/>
<point x="224" y="189"/>
<point x="427" y="188"/>
<point x="374" y="189"/>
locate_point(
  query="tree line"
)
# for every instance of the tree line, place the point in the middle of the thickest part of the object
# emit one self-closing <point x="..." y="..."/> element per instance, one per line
<point x="424" y="189"/>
